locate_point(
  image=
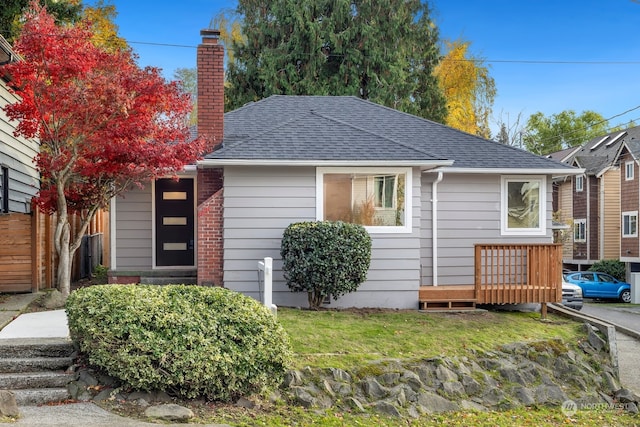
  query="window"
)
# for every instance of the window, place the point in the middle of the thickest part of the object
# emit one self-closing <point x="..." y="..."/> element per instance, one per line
<point x="579" y="183"/>
<point x="378" y="198"/>
<point x="630" y="224"/>
<point x="628" y="171"/>
<point x="524" y="206"/>
<point x="580" y="230"/>
<point x="4" y="189"/>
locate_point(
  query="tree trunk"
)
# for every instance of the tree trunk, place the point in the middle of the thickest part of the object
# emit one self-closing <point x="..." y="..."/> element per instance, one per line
<point x="64" y="257"/>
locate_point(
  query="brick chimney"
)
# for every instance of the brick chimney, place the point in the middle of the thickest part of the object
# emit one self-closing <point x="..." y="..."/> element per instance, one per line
<point x="211" y="89"/>
<point x="210" y="180"/>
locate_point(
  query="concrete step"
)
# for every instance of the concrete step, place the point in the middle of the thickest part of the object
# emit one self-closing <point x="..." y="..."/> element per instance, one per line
<point x="12" y="365"/>
<point x="35" y="347"/>
<point x="35" y="397"/>
<point x="186" y="280"/>
<point x="27" y="380"/>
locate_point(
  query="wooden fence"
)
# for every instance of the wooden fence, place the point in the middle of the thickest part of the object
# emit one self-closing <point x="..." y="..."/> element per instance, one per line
<point x="27" y="252"/>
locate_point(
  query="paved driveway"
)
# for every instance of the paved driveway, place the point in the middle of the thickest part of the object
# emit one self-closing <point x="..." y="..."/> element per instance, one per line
<point x="627" y="315"/>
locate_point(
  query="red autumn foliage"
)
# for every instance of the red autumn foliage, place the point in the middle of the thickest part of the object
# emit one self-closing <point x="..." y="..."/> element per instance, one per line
<point x="102" y="121"/>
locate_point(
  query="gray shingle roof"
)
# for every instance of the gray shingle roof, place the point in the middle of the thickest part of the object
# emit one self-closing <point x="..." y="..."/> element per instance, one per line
<point x="349" y="128"/>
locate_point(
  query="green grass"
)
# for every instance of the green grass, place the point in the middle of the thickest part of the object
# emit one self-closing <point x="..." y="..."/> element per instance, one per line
<point x="346" y="339"/>
<point x="535" y="417"/>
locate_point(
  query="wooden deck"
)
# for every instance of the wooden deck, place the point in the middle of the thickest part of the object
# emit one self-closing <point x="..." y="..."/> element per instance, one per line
<point x="504" y="274"/>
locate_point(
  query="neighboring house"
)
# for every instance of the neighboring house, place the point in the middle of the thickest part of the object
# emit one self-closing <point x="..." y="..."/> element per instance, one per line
<point x="27" y="255"/>
<point x="594" y="202"/>
<point x="19" y="182"/>
<point x="628" y="159"/>
<point x="437" y="200"/>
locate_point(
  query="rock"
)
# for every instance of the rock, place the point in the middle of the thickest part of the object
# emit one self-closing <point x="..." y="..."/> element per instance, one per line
<point x="327" y="388"/>
<point x="372" y="388"/>
<point x="340" y="375"/>
<point x="413" y="412"/>
<point x="625" y="396"/>
<point x="141" y="395"/>
<point x="303" y="398"/>
<point x="631" y="408"/>
<point x="493" y="397"/>
<point x="545" y="394"/>
<point x="169" y="412"/>
<point x="445" y="374"/>
<point x="354" y="403"/>
<point x="595" y="340"/>
<point x="525" y="396"/>
<point x="8" y="406"/>
<point x="432" y="403"/>
<point x="453" y="389"/>
<point x="53" y="300"/>
<point x="142" y="403"/>
<point x="387" y="408"/>
<point x="415" y="384"/>
<point x="340" y="388"/>
<point x="245" y="403"/>
<point x="610" y="382"/>
<point x="85" y="376"/>
<point x="293" y="378"/>
<point x="105" y="394"/>
<point x="471" y="386"/>
<point x="468" y="405"/>
<point x="162" y="396"/>
<point x="511" y="374"/>
<point x="389" y="378"/>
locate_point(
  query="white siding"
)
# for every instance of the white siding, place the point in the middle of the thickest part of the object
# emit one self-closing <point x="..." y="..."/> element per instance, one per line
<point x="468" y="213"/>
<point x="133" y="237"/>
<point x="17" y="153"/>
<point x="260" y="202"/>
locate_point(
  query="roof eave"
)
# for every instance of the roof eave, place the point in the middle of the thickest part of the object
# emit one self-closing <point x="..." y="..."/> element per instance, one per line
<point x="555" y="172"/>
<point x="423" y="164"/>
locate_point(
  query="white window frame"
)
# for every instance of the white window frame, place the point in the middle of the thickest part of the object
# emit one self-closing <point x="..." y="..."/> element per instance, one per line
<point x="579" y="180"/>
<point x="629" y="215"/>
<point x="408" y="196"/>
<point x="577" y="223"/>
<point x="629" y="171"/>
<point x="541" y="230"/>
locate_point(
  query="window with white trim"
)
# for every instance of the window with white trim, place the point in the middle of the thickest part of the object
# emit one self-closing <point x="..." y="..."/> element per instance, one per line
<point x="580" y="230"/>
<point x="579" y="183"/>
<point x="378" y="198"/>
<point x="524" y="201"/>
<point x="630" y="224"/>
<point x="629" y="171"/>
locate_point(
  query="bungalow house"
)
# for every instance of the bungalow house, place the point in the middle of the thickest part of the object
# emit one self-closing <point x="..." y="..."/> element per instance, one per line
<point x="592" y="200"/>
<point x="445" y="209"/>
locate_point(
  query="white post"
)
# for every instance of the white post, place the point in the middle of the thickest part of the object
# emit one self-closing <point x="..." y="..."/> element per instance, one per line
<point x="267" y="267"/>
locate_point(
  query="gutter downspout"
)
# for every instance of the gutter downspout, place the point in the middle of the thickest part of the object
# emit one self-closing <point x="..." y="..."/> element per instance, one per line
<point x="434" y="228"/>
<point x="588" y="220"/>
<point x="601" y="202"/>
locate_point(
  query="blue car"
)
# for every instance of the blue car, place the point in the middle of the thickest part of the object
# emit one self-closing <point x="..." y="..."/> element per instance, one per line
<point x="600" y="285"/>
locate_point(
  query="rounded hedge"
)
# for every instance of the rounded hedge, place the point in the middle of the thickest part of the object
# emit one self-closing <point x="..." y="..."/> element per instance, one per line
<point x="190" y="341"/>
<point x="325" y="258"/>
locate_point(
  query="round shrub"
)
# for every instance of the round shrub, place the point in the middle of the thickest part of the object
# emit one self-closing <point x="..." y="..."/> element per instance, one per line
<point x="614" y="267"/>
<point x="325" y="258"/>
<point x="190" y="341"/>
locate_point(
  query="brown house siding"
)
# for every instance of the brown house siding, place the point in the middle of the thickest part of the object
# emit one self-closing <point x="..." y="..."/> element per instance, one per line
<point x="628" y="202"/>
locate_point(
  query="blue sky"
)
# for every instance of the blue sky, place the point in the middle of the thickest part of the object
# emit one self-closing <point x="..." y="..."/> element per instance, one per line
<point x="545" y="55"/>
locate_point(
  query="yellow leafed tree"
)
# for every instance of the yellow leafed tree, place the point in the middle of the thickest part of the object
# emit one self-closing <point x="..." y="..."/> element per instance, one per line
<point x="468" y="88"/>
<point x="105" y="30"/>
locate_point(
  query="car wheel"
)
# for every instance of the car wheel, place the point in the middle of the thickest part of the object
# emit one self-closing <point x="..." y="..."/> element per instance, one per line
<point x="625" y="296"/>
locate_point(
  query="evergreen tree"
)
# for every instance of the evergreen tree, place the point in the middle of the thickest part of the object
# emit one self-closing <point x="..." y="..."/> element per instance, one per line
<point x="381" y="50"/>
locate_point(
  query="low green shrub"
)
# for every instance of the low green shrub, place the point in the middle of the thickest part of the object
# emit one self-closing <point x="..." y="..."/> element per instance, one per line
<point x="190" y="341"/>
<point x="613" y="267"/>
<point x="325" y="258"/>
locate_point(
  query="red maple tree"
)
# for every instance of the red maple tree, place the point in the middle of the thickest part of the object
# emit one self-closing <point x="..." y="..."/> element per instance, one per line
<point x="104" y="124"/>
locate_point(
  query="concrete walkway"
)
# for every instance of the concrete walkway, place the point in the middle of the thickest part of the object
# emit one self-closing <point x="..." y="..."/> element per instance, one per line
<point x="43" y="324"/>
